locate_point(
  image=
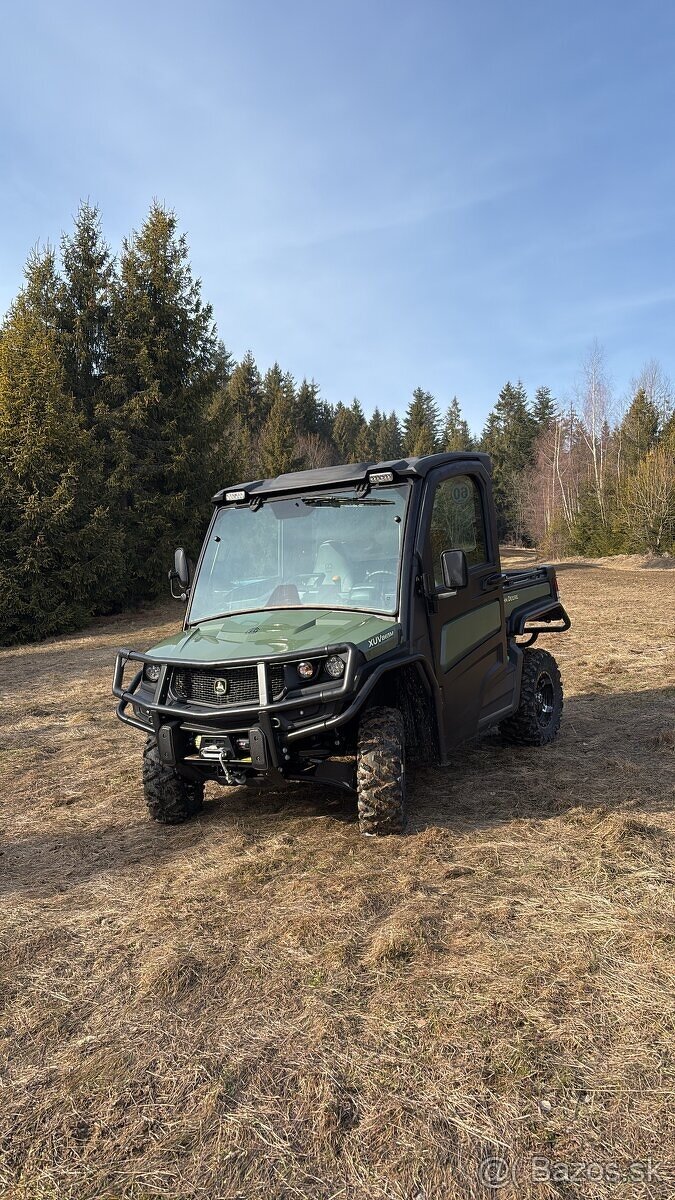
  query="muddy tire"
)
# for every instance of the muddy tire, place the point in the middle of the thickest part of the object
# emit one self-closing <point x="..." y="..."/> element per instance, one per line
<point x="380" y="772"/>
<point x="536" y="721"/>
<point x="170" y="798"/>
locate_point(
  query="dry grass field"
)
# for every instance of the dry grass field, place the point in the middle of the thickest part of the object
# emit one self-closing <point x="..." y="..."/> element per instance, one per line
<point x="261" y="1004"/>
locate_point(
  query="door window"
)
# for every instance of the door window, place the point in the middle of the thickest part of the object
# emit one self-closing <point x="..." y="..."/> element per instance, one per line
<point x="457" y="523"/>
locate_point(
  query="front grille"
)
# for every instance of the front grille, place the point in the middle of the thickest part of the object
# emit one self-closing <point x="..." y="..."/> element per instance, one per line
<point x="275" y="680"/>
<point x="228" y="685"/>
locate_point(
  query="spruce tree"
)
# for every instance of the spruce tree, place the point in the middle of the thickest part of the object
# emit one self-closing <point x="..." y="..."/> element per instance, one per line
<point x="362" y="449"/>
<point x="517" y="429"/>
<point x="52" y="552"/>
<point x="389" y="439"/>
<point x="307" y="408"/>
<point x="221" y="463"/>
<point x="85" y="311"/>
<point x="234" y="421"/>
<point x="508" y="438"/>
<point x="346" y="429"/>
<point x="358" y="412"/>
<point x="364" y="446"/>
<point x="420" y="427"/>
<point x="279" y="440"/>
<point x="374" y="426"/>
<point x="84" y="336"/>
<point x="163" y="372"/>
<point x="244" y="388"/>
<point x="544" y="409"/>
<point x="276" y="384"/>
<point x="456" y="434"/>
<point x="326" y="414"/>
<point x="639" y="430"/>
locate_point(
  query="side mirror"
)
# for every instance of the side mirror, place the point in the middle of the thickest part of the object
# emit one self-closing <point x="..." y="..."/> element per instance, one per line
<point x="455" y="569"/>
<point x="181" y="565"/>
<point x="183" y="571"/>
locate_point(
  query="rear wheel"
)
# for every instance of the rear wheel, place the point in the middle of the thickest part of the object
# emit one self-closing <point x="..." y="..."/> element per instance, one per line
<point x="170" y="798"/>
<point x="380" y="772"/>
<point x="536" y="721"/>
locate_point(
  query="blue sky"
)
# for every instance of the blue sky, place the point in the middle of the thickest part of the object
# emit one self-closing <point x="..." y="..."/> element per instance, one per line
<point x="377" y="194"/>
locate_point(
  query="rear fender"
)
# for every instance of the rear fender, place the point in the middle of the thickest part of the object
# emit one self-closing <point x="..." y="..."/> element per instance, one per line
<point x="547" y="611"/>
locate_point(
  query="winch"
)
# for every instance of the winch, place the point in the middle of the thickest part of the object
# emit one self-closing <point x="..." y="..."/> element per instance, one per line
<point x="220" y="749"/>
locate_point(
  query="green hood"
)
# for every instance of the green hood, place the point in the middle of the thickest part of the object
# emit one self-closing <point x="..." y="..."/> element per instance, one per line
<point x="279" y="631"/>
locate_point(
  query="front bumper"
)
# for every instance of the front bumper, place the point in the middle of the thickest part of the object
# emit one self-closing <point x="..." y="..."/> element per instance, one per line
<point x="274" y="729"/>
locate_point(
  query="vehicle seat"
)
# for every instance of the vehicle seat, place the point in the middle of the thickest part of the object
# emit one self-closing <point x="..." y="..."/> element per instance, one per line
<point x="331" y="562"/>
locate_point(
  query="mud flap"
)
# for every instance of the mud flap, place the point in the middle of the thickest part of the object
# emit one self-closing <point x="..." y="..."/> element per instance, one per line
<point x="166" y="743"/>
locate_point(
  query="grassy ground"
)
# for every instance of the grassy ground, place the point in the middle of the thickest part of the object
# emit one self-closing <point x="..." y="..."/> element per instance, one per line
<point x="261" y="1004"/>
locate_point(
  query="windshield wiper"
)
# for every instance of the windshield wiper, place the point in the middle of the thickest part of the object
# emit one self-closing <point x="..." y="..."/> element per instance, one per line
<point x="343" y="501"/>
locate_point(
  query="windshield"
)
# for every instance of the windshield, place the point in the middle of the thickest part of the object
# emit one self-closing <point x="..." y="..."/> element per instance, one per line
<point x="328" y="550"/>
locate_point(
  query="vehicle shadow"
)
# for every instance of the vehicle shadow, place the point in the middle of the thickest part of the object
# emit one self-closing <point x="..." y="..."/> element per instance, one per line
<point x="614" y="752"/>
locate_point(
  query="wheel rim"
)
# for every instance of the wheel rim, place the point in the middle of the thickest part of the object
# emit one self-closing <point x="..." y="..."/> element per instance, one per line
<point x="544" y="698"/>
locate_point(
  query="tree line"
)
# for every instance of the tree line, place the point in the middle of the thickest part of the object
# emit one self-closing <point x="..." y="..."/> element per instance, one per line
<point x="601" y="479"/>
<point x="121" y="412"/>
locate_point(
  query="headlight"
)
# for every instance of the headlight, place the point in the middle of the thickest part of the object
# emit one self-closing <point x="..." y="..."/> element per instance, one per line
<point x="305" y="670"/>
<point x="335" y="666"/>
<point x="152" y="672"/>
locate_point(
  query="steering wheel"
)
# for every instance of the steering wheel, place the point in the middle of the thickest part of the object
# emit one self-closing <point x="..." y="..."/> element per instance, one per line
<point x="382" y="584"/>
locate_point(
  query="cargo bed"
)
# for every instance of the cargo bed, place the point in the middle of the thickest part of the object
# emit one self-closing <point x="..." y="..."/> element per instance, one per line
<point x="531" y="602"/>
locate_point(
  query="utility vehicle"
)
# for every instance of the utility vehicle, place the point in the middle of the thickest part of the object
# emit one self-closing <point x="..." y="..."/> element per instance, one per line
<point x="340" y="621"/>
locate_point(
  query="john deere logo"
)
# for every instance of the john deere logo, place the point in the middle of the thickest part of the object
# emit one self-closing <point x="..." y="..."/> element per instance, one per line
<point x="220" y="687"/>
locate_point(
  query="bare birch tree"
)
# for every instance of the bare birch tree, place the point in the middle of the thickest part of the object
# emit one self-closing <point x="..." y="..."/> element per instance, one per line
<point x="595" y="410"/>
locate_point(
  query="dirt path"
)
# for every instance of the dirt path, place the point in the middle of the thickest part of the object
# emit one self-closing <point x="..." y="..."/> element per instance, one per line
<point x="262" y="1004"/>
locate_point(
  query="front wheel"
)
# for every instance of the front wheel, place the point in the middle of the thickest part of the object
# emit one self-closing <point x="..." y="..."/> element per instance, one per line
<point x="536" y="721"/>
<point x="170" y="798"/>
<point x="380" y="772"/>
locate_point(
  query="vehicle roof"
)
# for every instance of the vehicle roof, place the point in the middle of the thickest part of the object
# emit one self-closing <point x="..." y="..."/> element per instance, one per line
<point x="297" y="481"/>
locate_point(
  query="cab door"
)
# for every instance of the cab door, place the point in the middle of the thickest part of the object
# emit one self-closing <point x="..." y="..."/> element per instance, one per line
<point x="466" y="626"/>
